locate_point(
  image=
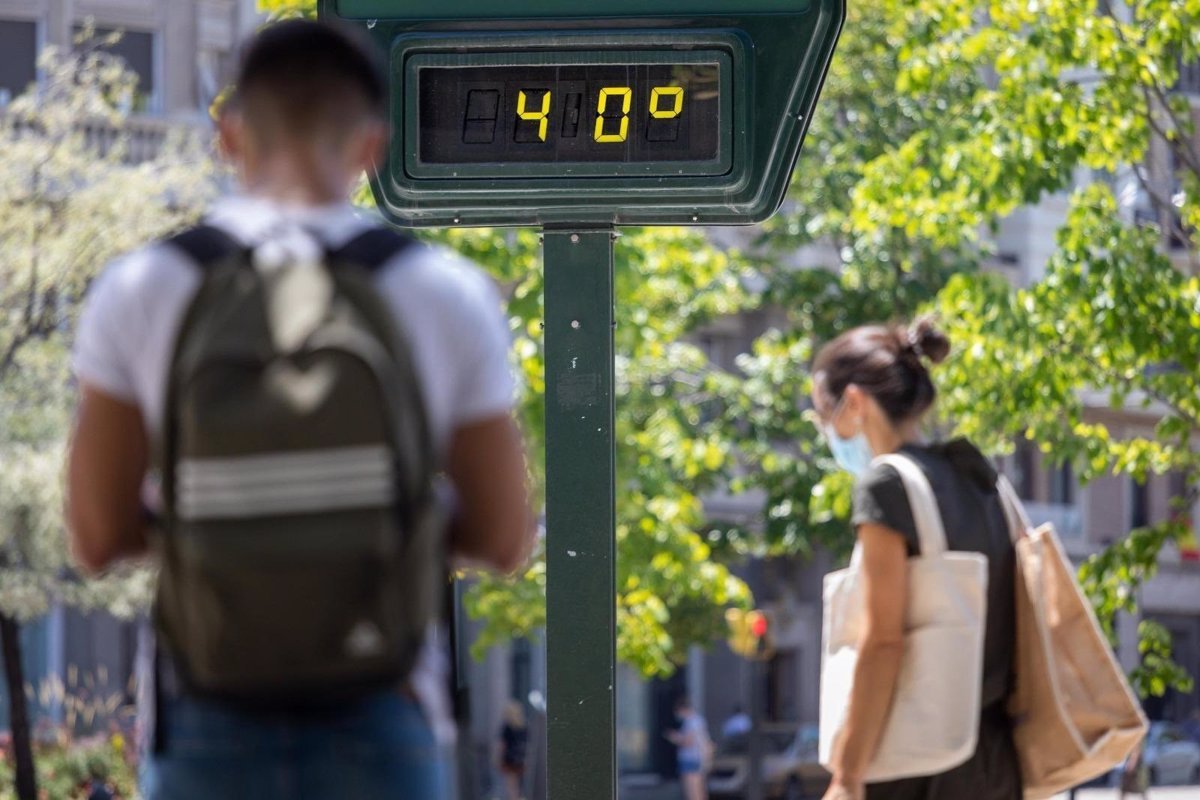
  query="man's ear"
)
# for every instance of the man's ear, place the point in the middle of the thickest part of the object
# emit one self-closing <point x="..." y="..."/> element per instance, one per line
<point x="231" y="135"/>
<point x="372" y="145"/>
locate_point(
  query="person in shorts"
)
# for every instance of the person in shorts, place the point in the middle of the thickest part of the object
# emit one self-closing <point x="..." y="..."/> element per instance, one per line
<point x="692" y="744"/>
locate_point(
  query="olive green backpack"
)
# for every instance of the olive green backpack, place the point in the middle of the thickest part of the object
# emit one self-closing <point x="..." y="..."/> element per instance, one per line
<point x="301" y="541"/>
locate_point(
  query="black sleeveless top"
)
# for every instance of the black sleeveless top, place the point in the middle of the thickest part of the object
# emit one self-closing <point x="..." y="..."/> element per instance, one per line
<point x="964" y="484"/>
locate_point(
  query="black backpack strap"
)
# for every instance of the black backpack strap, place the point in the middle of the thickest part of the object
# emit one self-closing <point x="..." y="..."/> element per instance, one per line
<point x="206" y="245"/>
<point x="372" y="248"/>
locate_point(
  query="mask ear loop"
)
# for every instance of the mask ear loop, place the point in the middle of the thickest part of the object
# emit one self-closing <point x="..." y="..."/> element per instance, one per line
<point x="837" y="412"/>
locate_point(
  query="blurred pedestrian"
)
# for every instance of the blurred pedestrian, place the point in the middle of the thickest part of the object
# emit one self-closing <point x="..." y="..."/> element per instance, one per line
<point x="1135" y="776"/>
<point x="871" y="390"/>
<point x="299" y="376"/>
<point x="514" y="745"/>
<point x="693" y="750"/>
<point x="738" y="723"/>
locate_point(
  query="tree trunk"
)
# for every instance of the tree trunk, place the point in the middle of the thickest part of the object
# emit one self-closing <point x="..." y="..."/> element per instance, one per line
<point x="18" y="708"/>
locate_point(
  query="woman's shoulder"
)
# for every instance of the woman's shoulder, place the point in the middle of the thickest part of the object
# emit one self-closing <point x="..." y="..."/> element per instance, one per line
<point x="880" y="475"/>
<point x="936" y="460"/>
<point x="957" y="456"/>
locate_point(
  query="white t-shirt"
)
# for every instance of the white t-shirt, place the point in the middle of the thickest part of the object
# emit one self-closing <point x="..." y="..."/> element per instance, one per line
<point x="446" y="306"/>
<point x="695" y="732"/>
<point x="448" y="309"/>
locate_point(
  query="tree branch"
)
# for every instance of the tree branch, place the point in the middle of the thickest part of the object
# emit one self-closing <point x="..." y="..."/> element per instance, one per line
<point x="1165" y="208"/>
<point x="10" y="353"/>
<point x="1182" y="144"/>
<point x="1186" y="149"/>
<point x="1134" y="385"/>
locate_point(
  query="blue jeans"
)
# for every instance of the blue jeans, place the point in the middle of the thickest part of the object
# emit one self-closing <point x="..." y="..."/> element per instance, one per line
<point x="379" y="748"/>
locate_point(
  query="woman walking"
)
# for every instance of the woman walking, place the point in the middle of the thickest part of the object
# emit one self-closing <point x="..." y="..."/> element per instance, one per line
<point x="872" y="390"/>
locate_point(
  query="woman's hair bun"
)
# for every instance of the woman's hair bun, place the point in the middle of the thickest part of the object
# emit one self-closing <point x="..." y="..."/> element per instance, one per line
<point x="928" y="341"/>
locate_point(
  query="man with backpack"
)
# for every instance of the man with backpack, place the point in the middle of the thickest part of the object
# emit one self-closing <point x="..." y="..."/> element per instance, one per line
<point x="267" y="403"/>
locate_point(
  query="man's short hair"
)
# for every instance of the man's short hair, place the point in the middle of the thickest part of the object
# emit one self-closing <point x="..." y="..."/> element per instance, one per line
<point x="301" y="79"/>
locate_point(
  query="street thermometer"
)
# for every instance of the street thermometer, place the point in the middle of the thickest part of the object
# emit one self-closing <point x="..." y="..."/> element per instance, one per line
<point x="579" y="117"/>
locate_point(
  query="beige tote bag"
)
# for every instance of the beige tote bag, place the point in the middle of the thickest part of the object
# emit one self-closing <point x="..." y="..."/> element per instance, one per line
<point x="1075" y="716"/>
<point x="934" y="721"/>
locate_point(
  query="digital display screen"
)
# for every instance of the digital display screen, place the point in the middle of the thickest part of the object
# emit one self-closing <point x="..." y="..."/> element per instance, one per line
<point x="577" y="113"/>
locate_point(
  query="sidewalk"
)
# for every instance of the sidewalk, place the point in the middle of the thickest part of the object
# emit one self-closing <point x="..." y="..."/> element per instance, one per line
<point x="1155" y="793"/>
<point x="671" y="792"/>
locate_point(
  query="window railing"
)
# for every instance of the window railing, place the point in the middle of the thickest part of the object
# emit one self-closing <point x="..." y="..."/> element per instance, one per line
<point x="143" y="137"/>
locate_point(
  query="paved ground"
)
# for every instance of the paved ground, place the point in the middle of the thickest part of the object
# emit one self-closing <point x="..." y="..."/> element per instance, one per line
<point x="1155" y="793"/>
<point x="671" y="792"/>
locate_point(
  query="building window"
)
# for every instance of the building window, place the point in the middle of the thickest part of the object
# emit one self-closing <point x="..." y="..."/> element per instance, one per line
<point x="18" y="58"/>
<point x="783" y="701"/>
<point x="1024" y="473"/>
<point x="1179" y="491"/>
<point x="136" y="49"/>
<point x="1139" y="504"/>
<point x="1062" y="485"/>
<point x="1189" y="77"/>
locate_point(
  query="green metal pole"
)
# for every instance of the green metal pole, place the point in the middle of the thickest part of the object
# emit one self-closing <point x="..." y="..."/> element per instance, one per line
<point x="580" y="515"/>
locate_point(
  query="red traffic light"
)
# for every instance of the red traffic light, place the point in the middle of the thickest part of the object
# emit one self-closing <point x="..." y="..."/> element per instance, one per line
<point x="758" y="624"/>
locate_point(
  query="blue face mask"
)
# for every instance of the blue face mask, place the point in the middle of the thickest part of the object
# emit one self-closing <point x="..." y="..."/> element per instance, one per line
<point x="853" y="455"/>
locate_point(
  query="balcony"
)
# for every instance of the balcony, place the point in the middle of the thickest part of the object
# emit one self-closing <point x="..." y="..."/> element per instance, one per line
<point x="143" y="137"/>
<point x="1066" y="519"/>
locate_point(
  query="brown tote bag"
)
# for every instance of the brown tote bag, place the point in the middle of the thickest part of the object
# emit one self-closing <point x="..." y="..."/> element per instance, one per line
<point x="1075" y="716"/>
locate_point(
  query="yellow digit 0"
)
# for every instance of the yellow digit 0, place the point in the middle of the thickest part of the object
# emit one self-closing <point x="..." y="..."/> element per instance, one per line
<point x="540" y="116"/>
<point x="626" y="95"/>
<point x="656" y="98"/>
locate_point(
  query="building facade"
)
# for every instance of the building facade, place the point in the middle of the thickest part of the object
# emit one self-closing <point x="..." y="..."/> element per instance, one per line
<point x="183" y="52"/>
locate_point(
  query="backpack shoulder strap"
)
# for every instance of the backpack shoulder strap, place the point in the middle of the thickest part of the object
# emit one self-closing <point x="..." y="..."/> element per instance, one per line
<point x="206" y="245"/>
<point x="373" y="248"/>
<point x="370" y="251"/>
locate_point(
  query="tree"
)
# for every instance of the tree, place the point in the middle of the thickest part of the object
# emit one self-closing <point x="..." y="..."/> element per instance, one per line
<point x="71" y="198"/>
<point x="671" y="591"/>
<point x="1052" y="89"/>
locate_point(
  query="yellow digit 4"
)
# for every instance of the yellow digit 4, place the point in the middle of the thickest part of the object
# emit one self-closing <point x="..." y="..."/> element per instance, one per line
<point x="626" y="95"/>
<point x="541" y="116"/>
<point x="656" y="99"/>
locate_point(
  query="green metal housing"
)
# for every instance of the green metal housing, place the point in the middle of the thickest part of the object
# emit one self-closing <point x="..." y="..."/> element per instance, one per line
<point x="779" y="52"/>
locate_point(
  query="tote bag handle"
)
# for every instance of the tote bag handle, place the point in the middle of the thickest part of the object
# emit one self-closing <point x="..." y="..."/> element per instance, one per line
<point x="1018" y="520"/>
<point x="930" y="531"/>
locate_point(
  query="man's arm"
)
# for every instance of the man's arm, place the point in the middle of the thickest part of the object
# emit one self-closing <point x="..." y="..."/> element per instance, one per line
<point x="108" y="461"/>
<point x="494" y="525"/>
